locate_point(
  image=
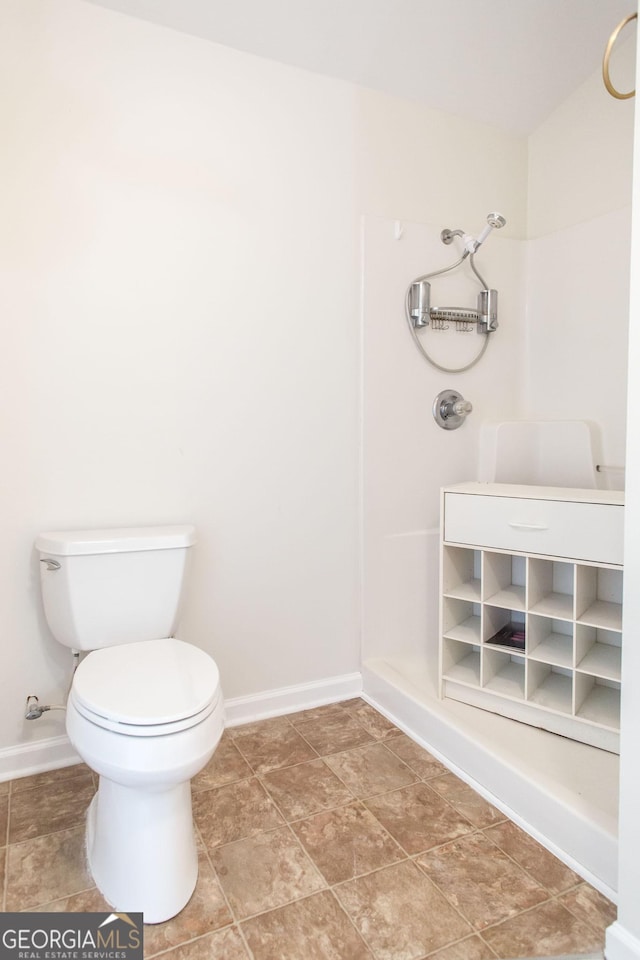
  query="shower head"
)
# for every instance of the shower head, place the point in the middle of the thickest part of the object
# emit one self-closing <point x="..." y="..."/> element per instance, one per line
<point x="494" y="222"/>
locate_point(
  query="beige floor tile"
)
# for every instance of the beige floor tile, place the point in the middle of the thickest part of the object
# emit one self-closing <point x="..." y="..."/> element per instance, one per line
<point x="371" y="770"/>
<point x="329" y="711"/>
<point x="206" y="911"/>
<point x="51" y="778"/>
<point x="547" y="930"/>
<point x="589" y="906"/>
<point x="312" y="929"/>
<point x="265" y="872"/>
<point x="4" y="819"/>
<point x="400" y="913"/>
<point x="480" y="880"/>
<point x="334" y="733"/>
<point x="225" y="945"/>
<point x="272" y="724"/>
<point x="37" y="812"/>
<point x="272" y="748"/>
<point x="346" y="842"/>
<point x="414" y="756"/>
<point x="473" y="948"/>
<point x="538" y="862"/>
<point x="46" y="868"/>
<point x="234" y="811"/>
<point x="226" y="766"/>
<point x="4" y="788"/>
<point x="89" y="901"/>
<point x="418" y="818"/>
<point x="469" y="803"/>
<point x="372" y="721"/>
<point x="306" y="789"/>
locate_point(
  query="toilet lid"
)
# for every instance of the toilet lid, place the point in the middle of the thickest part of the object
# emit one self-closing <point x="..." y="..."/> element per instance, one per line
<point x="146" y="683"/>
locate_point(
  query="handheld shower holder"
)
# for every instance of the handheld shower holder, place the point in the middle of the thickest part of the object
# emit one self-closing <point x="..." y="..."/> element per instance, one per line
<point x="485" y="317"/>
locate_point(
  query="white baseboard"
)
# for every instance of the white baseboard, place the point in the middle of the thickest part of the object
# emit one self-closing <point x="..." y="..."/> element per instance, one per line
<point x="302" y="696"/>
<point x="620" y="944"/>
<point x="41" y="755"/>
<point x="36" y="757"/>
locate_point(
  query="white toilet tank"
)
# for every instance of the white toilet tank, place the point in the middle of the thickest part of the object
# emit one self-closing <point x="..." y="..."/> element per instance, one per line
<point x="102" y="588"/>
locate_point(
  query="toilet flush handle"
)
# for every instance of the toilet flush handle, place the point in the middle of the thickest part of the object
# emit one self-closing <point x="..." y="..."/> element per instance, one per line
<point x="51" y="564"/>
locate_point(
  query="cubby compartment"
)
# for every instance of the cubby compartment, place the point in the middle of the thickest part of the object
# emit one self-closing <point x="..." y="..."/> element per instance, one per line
<point x="550" y="641"/>
<point x="550" y="686"/>
<point x="494" y="622"/>
<point x="461" y="620"/>
<point x="461" y="662"/>
<point x="503" y="580"/>
<point x="503" y="673"/>
<point x="461" y="573"/>
<point x="597" y="700"/>
<point x="599" y="597"/>
<point x="550" y="585"/>
<point x="598" y="652"/>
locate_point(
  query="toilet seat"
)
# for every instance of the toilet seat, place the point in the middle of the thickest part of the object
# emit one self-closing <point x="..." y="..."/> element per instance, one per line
<point x="148" y="688"/>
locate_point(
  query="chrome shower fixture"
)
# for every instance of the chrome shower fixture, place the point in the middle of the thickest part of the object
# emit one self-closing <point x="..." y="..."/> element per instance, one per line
<point x="484" y="317"/>
<point x="495" y="221"/>
<point x="450" y="409"/>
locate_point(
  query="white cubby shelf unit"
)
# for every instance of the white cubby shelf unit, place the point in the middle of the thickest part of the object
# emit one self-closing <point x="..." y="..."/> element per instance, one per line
<point x="525" y="633"/>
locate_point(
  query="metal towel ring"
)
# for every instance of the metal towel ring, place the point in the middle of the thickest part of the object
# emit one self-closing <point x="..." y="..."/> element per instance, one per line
<point x="607" y="56"/>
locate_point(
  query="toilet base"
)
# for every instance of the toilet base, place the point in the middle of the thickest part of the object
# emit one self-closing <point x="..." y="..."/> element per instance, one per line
<point x="141" y="848"/>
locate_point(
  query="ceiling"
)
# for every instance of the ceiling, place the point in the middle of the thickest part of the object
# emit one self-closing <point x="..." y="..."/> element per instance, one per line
<point x="504" y="62"/>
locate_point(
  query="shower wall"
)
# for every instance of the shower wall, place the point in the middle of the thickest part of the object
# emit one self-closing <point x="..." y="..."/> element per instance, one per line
<point x="579" y="221"/>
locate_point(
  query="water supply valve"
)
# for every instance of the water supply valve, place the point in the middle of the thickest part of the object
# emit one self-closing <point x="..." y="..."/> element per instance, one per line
<point x="450" y="409"/>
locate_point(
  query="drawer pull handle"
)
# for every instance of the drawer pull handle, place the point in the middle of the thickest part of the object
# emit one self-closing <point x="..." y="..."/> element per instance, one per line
<point x="528" y="526"/>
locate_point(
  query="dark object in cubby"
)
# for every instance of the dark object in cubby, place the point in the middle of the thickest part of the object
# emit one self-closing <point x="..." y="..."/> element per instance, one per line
<point x="511" y="635"/>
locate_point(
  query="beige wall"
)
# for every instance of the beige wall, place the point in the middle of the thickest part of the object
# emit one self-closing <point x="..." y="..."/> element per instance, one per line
<point x="179" y="294"/>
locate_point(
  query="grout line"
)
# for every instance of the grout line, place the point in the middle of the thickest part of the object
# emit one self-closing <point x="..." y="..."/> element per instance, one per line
<point x="551" y="895"/>
<point x="341" y="907"/>
<point x="453" y="906"/>
<point x="37" y="907"/>
<point x="581" y="920"/>
<point x="455" y="943"/>
<point x="522" y="913"/>
<point x="235" y="921"/>
<point x="42" y="836"/>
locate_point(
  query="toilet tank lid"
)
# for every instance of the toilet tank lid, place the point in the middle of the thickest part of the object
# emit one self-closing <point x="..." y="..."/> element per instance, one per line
<point x="71" y="543"/>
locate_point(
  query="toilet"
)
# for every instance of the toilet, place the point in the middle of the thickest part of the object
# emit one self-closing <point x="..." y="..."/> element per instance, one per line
<point x="145" y="710"/>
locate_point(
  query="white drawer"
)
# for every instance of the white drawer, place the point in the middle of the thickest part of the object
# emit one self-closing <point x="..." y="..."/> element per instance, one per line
<point x="558" y="528"/>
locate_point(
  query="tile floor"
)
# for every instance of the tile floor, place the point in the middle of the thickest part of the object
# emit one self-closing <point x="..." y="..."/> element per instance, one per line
<point x="324" y="835"/>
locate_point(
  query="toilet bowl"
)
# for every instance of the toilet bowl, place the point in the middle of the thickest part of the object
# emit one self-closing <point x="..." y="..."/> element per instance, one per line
<point x="146" y="717"/>
<point x="145" y="712"/>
